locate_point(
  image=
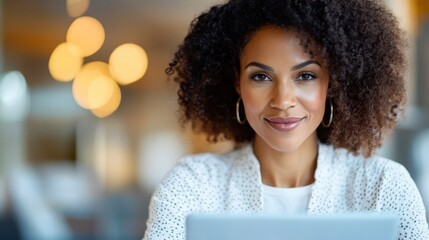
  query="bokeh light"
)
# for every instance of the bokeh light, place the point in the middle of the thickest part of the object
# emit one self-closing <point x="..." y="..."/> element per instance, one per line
<point x="111" y="106"/>
<point x="14" y="97"/>
<point x="128" y="63"/>
<point x="87" y="33"/>
<point x="93" y="86"/>
<point x="76" y="8"/>
<point x="65" y="62"/>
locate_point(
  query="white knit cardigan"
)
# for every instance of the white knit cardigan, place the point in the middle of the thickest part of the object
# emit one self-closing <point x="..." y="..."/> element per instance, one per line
<point x="231" y="182"/>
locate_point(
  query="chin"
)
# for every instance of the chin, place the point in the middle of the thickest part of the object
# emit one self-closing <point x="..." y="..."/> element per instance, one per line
<point x="284" y="145"/>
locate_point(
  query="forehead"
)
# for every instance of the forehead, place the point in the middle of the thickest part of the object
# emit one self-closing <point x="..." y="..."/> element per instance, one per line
<point x="271" y="41"/>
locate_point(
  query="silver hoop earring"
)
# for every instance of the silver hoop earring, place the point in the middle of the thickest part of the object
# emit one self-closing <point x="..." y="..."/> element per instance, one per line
<point x="330" y="117"/>
<point x="237" y="112"/>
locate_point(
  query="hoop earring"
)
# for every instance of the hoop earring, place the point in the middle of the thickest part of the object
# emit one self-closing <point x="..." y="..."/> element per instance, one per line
<point x="330" y="117"/>
<point x="237" y="112"/>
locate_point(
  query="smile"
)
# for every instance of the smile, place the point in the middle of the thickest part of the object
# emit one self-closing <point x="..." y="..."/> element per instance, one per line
<point x="283" y="124"/>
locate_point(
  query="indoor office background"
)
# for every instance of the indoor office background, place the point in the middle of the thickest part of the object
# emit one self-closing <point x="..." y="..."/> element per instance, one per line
<point x="71" y="173"/>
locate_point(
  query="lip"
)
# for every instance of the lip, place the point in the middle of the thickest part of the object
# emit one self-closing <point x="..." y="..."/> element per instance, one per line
<point x="284" y="124"/>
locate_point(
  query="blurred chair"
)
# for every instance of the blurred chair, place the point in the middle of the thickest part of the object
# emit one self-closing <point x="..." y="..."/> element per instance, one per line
<point x="8" y="225"/>
<point x="124" y="214"/>
<point x="37" y="220"/>
<point x="75" y="194"/>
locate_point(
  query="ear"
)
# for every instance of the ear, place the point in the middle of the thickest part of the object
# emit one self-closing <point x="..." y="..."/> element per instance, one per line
<point x="237" y="87"/>
<point x="237" y="83"/>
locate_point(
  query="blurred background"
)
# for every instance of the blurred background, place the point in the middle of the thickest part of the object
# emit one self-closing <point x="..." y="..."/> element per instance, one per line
<point x="77" y="164"/>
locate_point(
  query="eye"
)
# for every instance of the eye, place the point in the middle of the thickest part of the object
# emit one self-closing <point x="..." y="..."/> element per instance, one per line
<point x="260" y="77"/>
<point x="306" y="76"/>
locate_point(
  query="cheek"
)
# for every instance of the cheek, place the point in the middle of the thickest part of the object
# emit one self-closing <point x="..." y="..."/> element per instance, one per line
<point x="254" y="100"/>
<point x="313" y="99"/>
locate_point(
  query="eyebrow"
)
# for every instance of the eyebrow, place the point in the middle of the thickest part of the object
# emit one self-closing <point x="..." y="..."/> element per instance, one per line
<point x="294" y="68"/>
<point x="260" y="65"/>
<point x="301" y="65"/>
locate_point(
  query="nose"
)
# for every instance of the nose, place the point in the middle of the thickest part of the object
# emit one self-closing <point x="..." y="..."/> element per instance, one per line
<point x="283" y="96"/>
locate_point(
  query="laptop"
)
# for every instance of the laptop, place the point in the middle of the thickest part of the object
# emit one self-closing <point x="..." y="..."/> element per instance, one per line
<point x="292" y="227"/>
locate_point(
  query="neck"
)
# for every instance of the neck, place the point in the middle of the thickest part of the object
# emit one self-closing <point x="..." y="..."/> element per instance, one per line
<point x="292" y="168"/>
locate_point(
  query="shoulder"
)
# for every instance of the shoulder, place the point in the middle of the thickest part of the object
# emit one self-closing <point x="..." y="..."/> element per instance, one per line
<point x="374" y="183"/>
<point x="364" y="174"/>
<point x="192" y="170"/>
<point x="374" y="167"/>
<point x="378" y="166"/>
<point x="186" y="188"/>
<point x="366" y="183"/>
<point x="205" y="164"/>
<point x="197" y="180"/>
<point x="390" y="188"/>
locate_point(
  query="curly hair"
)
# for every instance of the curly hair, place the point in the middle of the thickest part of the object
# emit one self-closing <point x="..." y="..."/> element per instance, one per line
<point x="360" y="40"/>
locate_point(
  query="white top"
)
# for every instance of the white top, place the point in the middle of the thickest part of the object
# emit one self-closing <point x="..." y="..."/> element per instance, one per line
<point x="231" y="182"/>
<point x="286" y="200"/>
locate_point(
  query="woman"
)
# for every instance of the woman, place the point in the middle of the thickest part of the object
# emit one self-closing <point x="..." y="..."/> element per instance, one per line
<point x="307" y="89"/>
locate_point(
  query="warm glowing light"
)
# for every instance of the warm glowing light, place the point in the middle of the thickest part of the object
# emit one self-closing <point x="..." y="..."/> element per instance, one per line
<point x="65" y="62"/>
<point x="87" y="34"/>
<point x="111" y="106"/>
<point x="76" y="8"/>
<point x="128" y="63"/>
<point x="93" y="86"/>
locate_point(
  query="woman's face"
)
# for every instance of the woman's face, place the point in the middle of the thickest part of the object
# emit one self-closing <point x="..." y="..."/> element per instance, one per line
<point x="283" y="89"/>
